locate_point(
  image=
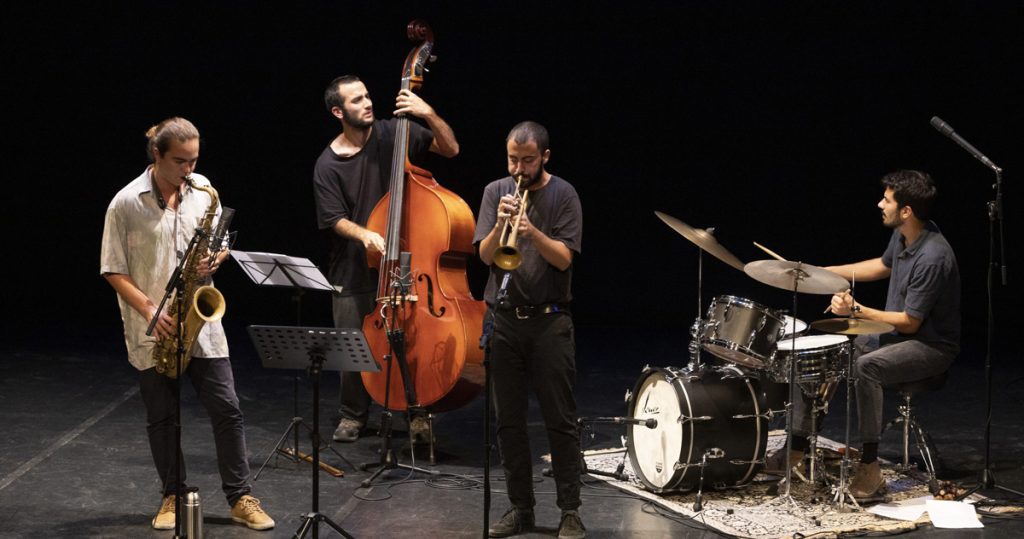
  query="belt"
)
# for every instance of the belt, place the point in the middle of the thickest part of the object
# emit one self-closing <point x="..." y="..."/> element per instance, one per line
<point x="523" y="312"/>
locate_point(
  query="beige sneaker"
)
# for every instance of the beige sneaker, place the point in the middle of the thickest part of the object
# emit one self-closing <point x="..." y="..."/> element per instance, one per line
<point x="247" y="511"/>
<point x="164" y="519"/>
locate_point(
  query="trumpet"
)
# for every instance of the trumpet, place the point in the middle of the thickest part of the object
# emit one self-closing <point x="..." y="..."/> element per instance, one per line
<point x="506" y="255"/>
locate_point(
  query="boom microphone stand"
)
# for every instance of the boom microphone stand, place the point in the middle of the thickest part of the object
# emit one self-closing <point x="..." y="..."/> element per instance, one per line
<point x="995" y="215"/>
<point x="485" y="342"/>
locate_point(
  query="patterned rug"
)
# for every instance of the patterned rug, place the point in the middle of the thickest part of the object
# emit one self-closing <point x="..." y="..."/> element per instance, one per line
<point x="756" y="510"/>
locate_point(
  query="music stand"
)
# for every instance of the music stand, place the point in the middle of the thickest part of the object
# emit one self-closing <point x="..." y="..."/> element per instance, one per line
<point x="318" y="349"/>
<point x="299" y="274"/>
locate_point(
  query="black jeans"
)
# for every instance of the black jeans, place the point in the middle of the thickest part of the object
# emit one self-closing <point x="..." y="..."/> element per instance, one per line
<point x="214" y="384"/>
<point x="349" y="312"/>
<point x="537" y="353"/>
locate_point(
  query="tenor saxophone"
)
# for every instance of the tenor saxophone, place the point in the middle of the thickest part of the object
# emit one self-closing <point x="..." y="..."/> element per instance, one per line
<point x="204" y="302"/>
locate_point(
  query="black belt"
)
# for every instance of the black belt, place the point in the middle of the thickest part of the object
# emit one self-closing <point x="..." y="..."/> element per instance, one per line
<point x="523" y="312"/>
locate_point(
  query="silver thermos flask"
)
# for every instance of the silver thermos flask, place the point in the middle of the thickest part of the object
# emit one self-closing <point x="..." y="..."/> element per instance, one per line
<point x="193" y="514"/>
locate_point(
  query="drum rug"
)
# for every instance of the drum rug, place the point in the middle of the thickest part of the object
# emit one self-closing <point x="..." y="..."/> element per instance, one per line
<point x="757" y="510"/>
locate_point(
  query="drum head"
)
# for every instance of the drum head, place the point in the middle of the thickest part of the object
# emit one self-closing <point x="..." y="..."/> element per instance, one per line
<point x="808" y="342"/>
<point x="656" y="450"/>
<point x="788" y="326"/>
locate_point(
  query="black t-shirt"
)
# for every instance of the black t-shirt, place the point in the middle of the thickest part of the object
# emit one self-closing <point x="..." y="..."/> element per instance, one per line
<point x="349" y="188"/>
<point x="554" y="210"/>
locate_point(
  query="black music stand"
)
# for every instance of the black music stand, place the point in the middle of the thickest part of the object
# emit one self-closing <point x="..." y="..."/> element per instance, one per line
<point x="299" y="274"/>
<point x="315" y="349"/>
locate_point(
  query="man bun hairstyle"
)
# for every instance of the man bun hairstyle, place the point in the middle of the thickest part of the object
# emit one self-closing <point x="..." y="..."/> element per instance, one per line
<point x="159" y="136"/>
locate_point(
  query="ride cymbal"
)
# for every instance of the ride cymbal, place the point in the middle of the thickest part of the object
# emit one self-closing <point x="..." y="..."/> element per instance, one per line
<point x="701" y="238"/>
<point x="787" y="275"/>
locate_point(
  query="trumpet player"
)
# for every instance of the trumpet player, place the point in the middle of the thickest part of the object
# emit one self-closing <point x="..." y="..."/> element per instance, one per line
<point x="530" y="226"/>
<point x="149" y="224"/>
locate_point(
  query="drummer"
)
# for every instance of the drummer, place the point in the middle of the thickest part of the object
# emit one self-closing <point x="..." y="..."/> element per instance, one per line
<point x="923" y="304"/>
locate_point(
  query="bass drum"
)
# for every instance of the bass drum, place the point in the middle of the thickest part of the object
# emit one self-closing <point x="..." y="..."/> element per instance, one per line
<point x="715" y="412"/>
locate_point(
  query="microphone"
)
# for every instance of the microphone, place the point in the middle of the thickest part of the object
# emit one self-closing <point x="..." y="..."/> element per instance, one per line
<point x="650" y="422"/>
<point x="404" y="273"/>
<point x="947" y="130"/>
<point x="220" y="235"/>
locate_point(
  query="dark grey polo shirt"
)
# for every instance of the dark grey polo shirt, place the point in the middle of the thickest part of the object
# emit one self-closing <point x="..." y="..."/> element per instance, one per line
<point x="925" y="283"/>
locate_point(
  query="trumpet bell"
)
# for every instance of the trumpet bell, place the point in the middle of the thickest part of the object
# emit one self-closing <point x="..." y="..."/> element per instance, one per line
<point x="507" y="257"/>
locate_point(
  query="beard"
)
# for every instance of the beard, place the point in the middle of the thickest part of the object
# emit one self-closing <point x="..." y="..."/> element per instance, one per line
<point x="530" y="180"/>
<point x="355" y="121"/>
<point x="894" y="222"/>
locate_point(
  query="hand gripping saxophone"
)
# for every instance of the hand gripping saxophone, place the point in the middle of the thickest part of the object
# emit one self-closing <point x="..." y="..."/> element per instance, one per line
<point x="204" y="302"/>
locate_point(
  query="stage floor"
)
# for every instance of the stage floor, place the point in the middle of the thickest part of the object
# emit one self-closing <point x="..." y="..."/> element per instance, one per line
<point x="74" y="461"/>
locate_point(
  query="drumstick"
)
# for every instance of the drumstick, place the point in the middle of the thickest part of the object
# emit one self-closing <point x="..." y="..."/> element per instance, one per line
<point x="769" y="251"/>
<point x="829" y="308"/>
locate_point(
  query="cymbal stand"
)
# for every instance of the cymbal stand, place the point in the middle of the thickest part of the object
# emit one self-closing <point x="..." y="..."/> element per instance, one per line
<point x="697" y="329"/>
<point x="842" y="489"/>
<point x="798" y="275"/>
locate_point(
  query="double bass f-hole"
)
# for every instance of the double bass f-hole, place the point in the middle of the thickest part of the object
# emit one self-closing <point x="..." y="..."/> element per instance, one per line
<point x="430" y="296"/>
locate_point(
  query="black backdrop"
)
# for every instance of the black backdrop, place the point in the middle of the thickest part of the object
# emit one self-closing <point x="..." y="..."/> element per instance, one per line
<point x="770" y="121"/>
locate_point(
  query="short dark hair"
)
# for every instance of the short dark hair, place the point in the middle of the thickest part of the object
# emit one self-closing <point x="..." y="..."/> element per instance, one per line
<point x="332" y="97"/>
<point x="526" y="131"/>
<point x="912" y="188"/>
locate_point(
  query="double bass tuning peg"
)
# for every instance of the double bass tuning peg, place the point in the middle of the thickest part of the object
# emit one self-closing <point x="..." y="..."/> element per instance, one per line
<point x="431" y="59"/>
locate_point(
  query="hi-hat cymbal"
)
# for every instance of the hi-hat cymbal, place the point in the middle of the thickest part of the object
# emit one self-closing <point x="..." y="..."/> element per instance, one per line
<point x="852" y="326"/>
<point x="786" y="274"/>
<point x="701" y="238"/>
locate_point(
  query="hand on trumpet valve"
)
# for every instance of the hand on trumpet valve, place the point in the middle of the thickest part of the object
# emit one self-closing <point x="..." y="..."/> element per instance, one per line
<point x="508" y="207"/>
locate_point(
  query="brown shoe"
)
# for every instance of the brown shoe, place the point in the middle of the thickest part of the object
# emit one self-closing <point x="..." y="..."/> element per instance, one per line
<point x="247" y="511"/>
<point x="164" y="519"/>
<point x="774" y="465"/>
<point x="868" y="483"/>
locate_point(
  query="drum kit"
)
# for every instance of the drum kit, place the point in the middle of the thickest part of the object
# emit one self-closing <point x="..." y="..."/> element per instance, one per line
<point x="711" y="423"/>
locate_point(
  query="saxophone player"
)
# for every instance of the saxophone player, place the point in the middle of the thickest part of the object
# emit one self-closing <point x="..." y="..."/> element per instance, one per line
<point x="149" y="224"/>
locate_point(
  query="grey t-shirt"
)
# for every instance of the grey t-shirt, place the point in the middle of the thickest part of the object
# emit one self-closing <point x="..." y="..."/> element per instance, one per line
<point x="925" y="283"/>
<point x="554" y="210"/>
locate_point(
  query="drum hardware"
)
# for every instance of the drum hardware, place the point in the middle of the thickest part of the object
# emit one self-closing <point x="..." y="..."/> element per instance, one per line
<point x="709" y="453"/>
<point x="796" y="277"/>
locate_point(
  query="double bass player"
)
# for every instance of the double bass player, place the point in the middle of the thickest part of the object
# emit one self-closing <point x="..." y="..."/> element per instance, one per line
<point x="349" y="178"/>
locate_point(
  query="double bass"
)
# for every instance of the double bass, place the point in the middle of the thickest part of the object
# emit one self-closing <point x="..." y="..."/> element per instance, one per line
<point x="426" y="322"/>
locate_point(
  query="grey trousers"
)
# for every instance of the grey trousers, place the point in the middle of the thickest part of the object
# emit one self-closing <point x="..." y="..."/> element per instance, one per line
<point x="349" y="312"/>
<point x="873" y="367"/>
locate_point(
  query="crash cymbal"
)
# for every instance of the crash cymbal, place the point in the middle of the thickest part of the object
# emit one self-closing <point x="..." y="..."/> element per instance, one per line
<point x="701" y="238"/>
<point x="851" y="326"/>
<point x="810" y="279"/>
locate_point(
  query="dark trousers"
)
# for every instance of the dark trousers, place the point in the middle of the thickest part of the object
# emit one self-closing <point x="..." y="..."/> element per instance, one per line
<point x="349" y="312"/>
<point x="215" y="386"/>
<point x="539" y="354"/>
<point x="876" y="365"/>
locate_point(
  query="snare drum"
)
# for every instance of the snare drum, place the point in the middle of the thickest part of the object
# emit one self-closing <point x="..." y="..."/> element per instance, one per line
<point x="716" y="416"/>
<point x="819" y="359"/>
<point x="741" y="331"/>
